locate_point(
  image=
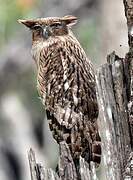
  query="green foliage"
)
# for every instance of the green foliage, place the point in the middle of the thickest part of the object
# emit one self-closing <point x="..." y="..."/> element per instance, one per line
<point x="10" y="11"/>
<point x="88" y="37"/>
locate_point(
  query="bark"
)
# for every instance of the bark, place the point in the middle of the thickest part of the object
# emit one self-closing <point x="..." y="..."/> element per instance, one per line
<point x="67" y="169"/>
<point x="113" y="117"/>
<point x="129" y="61"/>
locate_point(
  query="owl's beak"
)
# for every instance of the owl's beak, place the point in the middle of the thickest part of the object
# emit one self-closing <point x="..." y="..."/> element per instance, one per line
<point x="27" y="23"/>
<point x="45" y="32"/>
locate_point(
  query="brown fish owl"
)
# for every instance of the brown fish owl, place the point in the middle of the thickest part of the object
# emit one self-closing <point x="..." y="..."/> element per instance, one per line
<point x="66" y="84"/>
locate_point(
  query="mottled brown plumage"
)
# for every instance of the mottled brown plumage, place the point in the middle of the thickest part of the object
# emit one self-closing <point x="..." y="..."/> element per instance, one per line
<point x="66" y="84"/>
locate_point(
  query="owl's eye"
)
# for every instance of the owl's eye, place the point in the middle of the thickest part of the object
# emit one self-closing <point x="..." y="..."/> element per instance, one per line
<point x="56" y="25"/>
<point x="37" y="27"/>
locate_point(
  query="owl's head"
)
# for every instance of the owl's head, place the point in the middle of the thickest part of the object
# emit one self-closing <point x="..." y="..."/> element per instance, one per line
<point x="52" y="26"/>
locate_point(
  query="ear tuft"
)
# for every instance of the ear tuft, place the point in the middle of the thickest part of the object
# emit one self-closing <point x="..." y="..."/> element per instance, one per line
<point x="27" y="23"/>
<point x="70" y="20"/>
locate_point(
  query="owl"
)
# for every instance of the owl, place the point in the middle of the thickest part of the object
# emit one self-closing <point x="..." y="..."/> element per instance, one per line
<point x="66" y="85"/>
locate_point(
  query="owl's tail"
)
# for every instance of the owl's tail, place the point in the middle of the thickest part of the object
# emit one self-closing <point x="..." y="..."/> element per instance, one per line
<point x="96" y="152"/>
<point x="92" y="146"/>
<point x="93" y="151"/>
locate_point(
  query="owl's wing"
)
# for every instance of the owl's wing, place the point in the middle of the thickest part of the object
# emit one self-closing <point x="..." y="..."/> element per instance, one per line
<point x="70" y="86"/>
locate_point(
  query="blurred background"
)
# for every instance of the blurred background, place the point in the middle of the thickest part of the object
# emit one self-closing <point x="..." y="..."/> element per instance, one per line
<point x="101" y="29"/>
